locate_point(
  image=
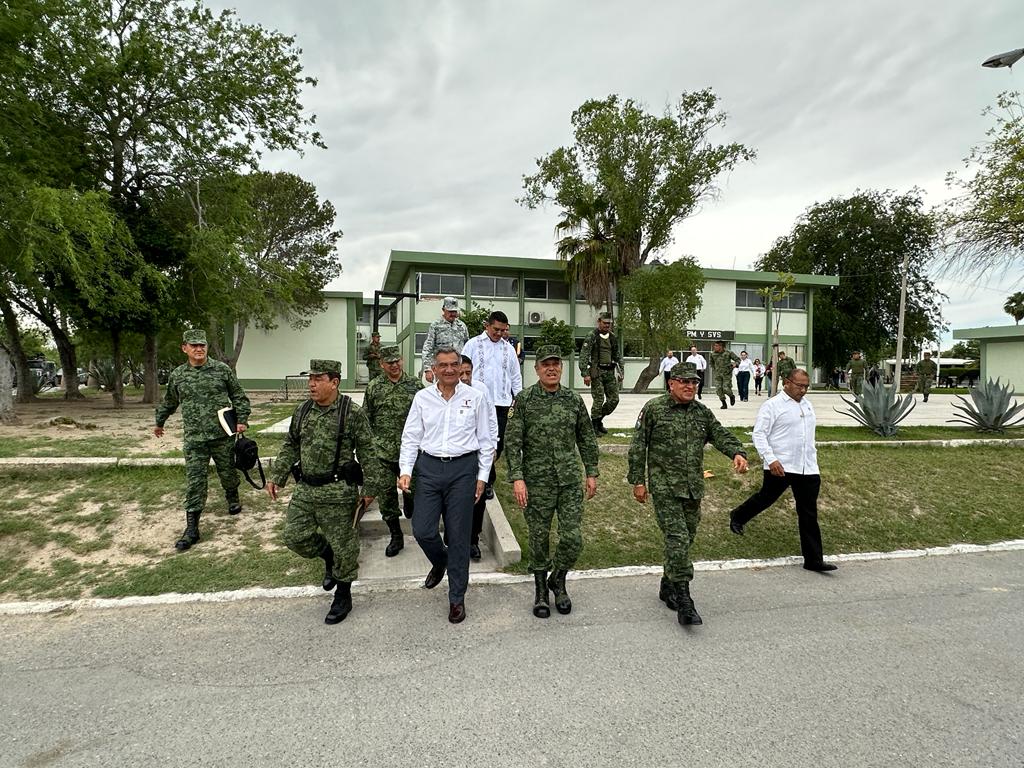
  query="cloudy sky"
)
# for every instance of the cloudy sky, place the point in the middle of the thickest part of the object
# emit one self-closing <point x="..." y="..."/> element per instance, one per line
<point x="433" y="111"/>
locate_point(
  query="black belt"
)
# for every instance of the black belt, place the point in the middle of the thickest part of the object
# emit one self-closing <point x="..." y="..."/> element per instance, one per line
<point x="609" y="367"/>
<point x="318" y="482"/>
<point x="449" y="458"/>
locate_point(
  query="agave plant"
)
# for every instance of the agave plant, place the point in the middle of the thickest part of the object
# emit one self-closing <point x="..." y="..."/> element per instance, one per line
<point x="992" y="410"/>
<point x="879" y="408"/>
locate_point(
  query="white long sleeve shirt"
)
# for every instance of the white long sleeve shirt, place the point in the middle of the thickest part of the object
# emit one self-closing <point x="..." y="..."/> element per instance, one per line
<point x="784" y="432"/>
<point x="667" y="364"/>
<point x="699" y="361"/>
<point x="495" y="364"/>
<point x="449" y="428"/>
<point x="745" y="364"/>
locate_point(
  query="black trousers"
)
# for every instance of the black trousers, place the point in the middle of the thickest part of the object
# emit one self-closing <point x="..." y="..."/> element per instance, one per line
<point x="666" y="374"/>
<point x="501" y="411"/>
<point x="700" y="385"/>
<point x="446" y="488"/>
<point x="743" y="384"/>
<point x="805" y="493"/>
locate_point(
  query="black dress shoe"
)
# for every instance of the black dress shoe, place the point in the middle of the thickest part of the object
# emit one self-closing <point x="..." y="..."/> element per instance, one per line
<point x="457" y="613"/>
<point x="488" y="492"/>
<point x="820" y="567"/>
<point x="435" y="576"/>
<point x="732" y="399"/>
<point x="474" y="552"/>
<point x="735" y="527"/>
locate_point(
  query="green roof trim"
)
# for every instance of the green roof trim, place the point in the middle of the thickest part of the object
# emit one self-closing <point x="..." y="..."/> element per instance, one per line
<point x="991" y="332"/>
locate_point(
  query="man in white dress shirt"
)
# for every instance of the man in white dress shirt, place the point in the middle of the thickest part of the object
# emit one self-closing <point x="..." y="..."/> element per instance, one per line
<point x="668" y="362"/>
<point x="496" y="365"/>
<point x="784" y="437"/>
<point x="447" y="443"/>
<point x="698" y="359"/>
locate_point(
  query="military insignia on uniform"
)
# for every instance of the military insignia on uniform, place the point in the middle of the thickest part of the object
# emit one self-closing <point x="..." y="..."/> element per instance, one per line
<point x="639" y="419"/>
<point x="512" y="408"/>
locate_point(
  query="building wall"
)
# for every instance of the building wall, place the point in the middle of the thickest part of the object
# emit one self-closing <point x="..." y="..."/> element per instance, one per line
<point x="718" y="309"/>
<point x="1003" y="360"/>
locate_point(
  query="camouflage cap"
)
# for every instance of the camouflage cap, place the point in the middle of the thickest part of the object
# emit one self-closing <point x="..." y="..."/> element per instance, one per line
<point x="390" y="354"/>
<point x="684" y="372"/>
<point x="548" y="352"/>
<point x="194" y="336"/>
<point x="605" y="316"/>
<point x="317" y="366"/>
<point x="450" y="304"/>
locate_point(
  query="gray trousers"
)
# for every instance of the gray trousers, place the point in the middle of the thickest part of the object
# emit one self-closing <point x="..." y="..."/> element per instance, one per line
<point x="446" y="488"/>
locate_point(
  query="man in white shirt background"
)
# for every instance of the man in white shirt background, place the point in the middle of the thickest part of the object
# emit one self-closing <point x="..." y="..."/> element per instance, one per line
<point x="698" y="359"/>
<point x="668" y="362"/>
<point x="784" y="438"/>
<point x="447" y="443"/>
<point x="496" y="365"/>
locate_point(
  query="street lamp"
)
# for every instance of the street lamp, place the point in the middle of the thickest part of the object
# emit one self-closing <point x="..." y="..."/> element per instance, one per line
<point x="1007" y="59"/>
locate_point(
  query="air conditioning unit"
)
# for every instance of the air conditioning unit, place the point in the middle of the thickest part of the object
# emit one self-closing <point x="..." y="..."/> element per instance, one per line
<point x="360" y="336"/>
<point x="535" y="318"/>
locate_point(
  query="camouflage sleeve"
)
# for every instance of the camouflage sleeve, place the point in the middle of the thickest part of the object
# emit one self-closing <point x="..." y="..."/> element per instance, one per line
<point x="428" y="347"/>
<point x="170" y="402"/>
<point x="586" y="440"/>
<point x="734" y="357"/>
<point x="370" y="403"/>
<point x="637" y="473"/>
<point x="616" y="354"/>
<point x="585" y="352"/>
<point x="239" y="399"/>
<point x="374" y="483"/>
<point x="514" y="440"/>
<point x="289" y="453"/>
<point x="723" y="439"/>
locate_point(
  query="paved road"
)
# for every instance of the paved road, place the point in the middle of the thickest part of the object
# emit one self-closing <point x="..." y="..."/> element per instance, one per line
<point x="894" y="663"/>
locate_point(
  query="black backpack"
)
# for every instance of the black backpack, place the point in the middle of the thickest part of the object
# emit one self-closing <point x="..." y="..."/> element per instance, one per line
<point x="247" y="456"/>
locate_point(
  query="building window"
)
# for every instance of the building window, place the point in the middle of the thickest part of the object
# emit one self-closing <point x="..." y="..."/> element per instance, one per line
<point x="795" y="300"/>
<point x="442" y="285"/>
<point x="556" y="290"/>
<point x="793" y="351"/>
<point x="749" y="297"/>
<point x="420" y="338"/>
<point x="498" y="287"/>
<point x="366" y="316"/>
<point x="754" y="351"/>
<point x="530" y="344"/>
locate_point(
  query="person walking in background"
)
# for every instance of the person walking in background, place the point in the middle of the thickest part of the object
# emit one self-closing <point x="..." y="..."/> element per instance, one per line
<point x="372" y="356"/>
<point x="857" y="368"/>
<point x="668" y="362"/>
<point x="744" y="370"/>
<point x="722" y="361"/>
<point x="202" y="387"/>
<point x="926" y="371"/>
<point x="784" y="438"/>
<point x="601" y="366"/>
<point x="701" y="365"/>
<point x="448" y="331"/>
<point x="758" y="376"/>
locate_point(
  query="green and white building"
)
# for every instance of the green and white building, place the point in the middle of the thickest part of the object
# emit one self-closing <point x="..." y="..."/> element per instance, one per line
<point x="1002" y="352"/>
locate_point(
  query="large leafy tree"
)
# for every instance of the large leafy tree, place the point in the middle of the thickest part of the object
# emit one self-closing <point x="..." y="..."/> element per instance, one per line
<point x="984" y="223"/>
<point x="658" y="303"/>
<point x="628" y="179"/>
<point x="1014" y="307"/>
<point x="863" y="239"/>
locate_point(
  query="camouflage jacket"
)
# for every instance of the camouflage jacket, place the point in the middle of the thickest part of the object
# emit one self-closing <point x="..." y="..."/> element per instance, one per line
<point x="441" y="334"/>
<point x="589" y="352"/>
<point x="669" y="446"/>
<point x="201" y="392"/>
<point x="784" y="367"/>
<point x="721" y="362"/>
<point x="386" y="405"/>
<point x="372" y="358"/>
<point x="543" y="433"/>
<point x="314" y="440"/>
<point x="927" y="369"/>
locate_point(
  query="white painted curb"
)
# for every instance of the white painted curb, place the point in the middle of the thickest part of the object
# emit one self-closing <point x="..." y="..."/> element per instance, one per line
<point x="393" y="585"/>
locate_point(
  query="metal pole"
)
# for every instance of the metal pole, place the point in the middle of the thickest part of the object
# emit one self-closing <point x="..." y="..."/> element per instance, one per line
<point x="898" y="374"/>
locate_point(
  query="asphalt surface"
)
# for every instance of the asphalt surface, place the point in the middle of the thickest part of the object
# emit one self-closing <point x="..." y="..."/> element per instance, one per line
<point x="888" y="663"/>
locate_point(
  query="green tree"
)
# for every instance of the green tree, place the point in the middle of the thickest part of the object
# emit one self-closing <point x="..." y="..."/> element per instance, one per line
<point x="772" y="295"/>
<point x="475" y="318"/>
<point x="863" y="239"/>
<point x="659" y="301"/>
<point x="559" y="333"/>
<point x="984" y="223"/>
<point x="966" y="350"/>
<point x="628" y="179"/>
<point x="1014" y="307"/>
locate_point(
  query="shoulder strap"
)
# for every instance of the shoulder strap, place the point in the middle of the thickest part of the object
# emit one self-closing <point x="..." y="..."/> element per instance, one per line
<point x="343" y="407"/>
<point x="304" y="410"/>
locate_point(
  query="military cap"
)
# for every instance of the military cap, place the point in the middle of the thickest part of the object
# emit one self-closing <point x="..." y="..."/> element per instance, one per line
<point x="317" y="366"/>
<point x="194" y="336"/>
<point x="450" y="304"/>
<point x="548" y="352"/>
<point x="605" y="316"/>
<point x="684" y="372"/>
<point x="390" y="354"/>
<point x="375" y="333"/>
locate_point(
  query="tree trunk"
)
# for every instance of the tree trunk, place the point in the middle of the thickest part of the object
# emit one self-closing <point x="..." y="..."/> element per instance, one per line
<point x="150" y="382"/>
<point x="215" y="348"/>
<point x="68" y="361"/>
<point x="118" y="392"/>
<point x="647" y="375"/>
<point x="24" y="377"/>
<point x="237" y="351"/>
<point x="7" y="415"/>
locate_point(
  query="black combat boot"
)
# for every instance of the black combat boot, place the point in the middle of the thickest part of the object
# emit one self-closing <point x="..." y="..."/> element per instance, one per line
<point x="732" y="399"/>
<point x="556" y="583"/>
<point x="667" y="595"/>
<point x="190" y="535"/>
<point x="342" y="604"/>
<point x="687" y="611"/>
<point x="234" y="505"/>
<point x="397" y="543"/>
<point x="598" y="427"/>
<point x="540" y="595"/>
<point x="724" y="406"/>
<point x="328" y="555"/>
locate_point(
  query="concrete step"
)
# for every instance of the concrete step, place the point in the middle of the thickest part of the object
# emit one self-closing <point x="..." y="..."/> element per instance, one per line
<point x="410" y="562"/>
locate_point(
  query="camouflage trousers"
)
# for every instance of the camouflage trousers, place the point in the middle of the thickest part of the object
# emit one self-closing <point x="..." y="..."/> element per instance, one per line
<point x="388" y="499"/>
<point x="857" y="384"/>
<point x="197" y="470"/>
<point x="544" y="502"/>
<point x="723" y="385"/>
<point x="604" y="388"/>
<point x="678" y="519"/>
<point x="320" y="516"/>
<point x="924" y="385"/>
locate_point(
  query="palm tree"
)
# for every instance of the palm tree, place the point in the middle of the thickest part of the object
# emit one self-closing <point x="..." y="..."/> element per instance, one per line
<point x="1014" y="307"/>
<point x="587" y="246"/>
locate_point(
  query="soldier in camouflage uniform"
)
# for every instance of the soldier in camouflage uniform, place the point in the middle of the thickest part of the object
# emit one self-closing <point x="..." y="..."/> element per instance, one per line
<point x="202" y="387"/>
<point x="721" y="361"/>
<point x="546" y="426"/>
<point x="857" y="367"/>
<point x="448" y="331"/>
<point x="386" y="403"/>
<point x="668" y="447"/>
<point x="601" y="367"/>
<point x="784" y="367"/>
<point x="372" y="356"/>
<point x="322" y="507"/>
<point x="926" y="371"/>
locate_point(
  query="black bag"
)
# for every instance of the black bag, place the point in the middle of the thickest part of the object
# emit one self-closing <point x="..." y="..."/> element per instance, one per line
<point x="247" y="456"/>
